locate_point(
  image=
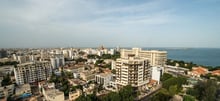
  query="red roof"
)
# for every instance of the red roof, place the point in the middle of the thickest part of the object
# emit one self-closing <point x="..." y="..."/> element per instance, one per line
<point x="199" y="70"/>
<point x="216" y="72"/>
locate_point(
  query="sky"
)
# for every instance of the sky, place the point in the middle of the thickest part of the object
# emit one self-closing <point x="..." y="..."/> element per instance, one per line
<point x="125" y="23"/>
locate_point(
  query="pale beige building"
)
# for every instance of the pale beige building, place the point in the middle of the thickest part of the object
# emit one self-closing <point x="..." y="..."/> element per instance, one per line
<point x="87" y="75"/>
<point x="132" y="71"/>
<point x="156" y="58"/>
<point x="21" y="89"/>
<point x="32" y="72"/>
<point x="6" y="91"/>
<point x="74" y="94"/>
<point x="54" y="95"/>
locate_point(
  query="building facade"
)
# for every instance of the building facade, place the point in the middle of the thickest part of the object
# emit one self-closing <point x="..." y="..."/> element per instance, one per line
<point x="57" y="60"/>
<point x="3" y="53"/>
<point x="74" y="94"/>
<point x="32" y="72"/>
<point x="132" y="71"/>
<point x="157" y="73"/>
<point x="104" y="79"/>
<point x="7" y="91"/>
<point x="155" y="57"/>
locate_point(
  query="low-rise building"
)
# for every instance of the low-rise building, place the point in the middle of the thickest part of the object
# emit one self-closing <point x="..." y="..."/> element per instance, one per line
<point x="198" y="71"/>
<point x="73" y="95"/>
<point x="88" y="89"/>
<point x="75" y="82"/>
<point x="216" y="72"/>
<point x="104" y="79"/>
<point x="21" y="89"/>
<point x="87" y="75"/>
<point x="54" y="95"/>
<point x="50" y="92"/>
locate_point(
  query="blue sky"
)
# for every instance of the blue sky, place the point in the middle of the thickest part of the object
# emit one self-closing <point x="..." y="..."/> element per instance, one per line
<point x="126" y="23"/>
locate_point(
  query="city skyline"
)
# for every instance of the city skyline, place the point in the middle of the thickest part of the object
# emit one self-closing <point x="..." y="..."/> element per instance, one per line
<point x="85" y="23"/>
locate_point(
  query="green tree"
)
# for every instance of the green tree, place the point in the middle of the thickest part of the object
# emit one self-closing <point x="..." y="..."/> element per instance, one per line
<point x="173" y="90"/>
<point x="205" y="90"/>
<point x="114" y="71"/>
<point x="6" y="80"/>
<point x="188" y="98"/>
<point x="166" y="76"/>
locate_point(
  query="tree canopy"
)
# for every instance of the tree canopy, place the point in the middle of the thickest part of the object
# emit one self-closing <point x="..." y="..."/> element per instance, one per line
<point x="205" y="90"/>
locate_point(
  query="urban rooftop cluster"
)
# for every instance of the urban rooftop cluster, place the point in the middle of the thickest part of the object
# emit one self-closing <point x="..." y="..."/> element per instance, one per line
<point x="102" y="74"/>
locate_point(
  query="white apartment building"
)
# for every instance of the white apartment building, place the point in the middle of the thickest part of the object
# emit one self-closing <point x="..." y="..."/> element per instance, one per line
<point x="156" y="58"/>
<point x="104" y="79"/>
<point x="132" y="71"/>
<point x="32" y="72"/>
<point x="57" y="60"/>
<point x="157" y="73"/>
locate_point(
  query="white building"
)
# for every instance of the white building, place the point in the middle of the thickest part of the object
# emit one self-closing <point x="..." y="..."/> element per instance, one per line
<point x="112" y="51"/>
<point x="113" y="66"/>
<point x="22" y="59"/>
<point x="76" y="75"/>
<point x="157" y="73"/>
<point x="32" y="72"/>
<point x="132" y="71"/>
<point x="57" y="60"/>
<point x="156" y="58"/>
<point x="104" y="79"/>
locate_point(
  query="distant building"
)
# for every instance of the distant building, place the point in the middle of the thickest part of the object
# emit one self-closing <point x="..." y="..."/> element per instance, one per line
<point x="112" y="51"/>
<point x="32" y="72"/>
<point x="22" y="59"/>
<point x="216" y="72"/>
<point x="198" y="71"/>
<point x="6" y="69"/>
<point x="3" y="53"/>
<point x="132" y="71"/>
<point x="57" y="60"/>
<point x="156" y="58"/>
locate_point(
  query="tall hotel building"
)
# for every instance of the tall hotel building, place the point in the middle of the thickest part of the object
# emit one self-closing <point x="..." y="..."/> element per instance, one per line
<point x="131" y="70"/>
<point x="32" y="72"/>
<point x="156" y="58"/>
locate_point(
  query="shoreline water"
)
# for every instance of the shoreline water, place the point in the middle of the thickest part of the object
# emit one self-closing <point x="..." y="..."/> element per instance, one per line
<point x="201" y="56"/>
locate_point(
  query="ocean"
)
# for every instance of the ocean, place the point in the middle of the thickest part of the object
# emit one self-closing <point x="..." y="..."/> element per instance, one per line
<point x="200" y="56"/>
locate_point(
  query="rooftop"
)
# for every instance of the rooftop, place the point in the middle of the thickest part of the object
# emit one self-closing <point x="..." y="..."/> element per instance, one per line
<point x="53" y="93"/>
